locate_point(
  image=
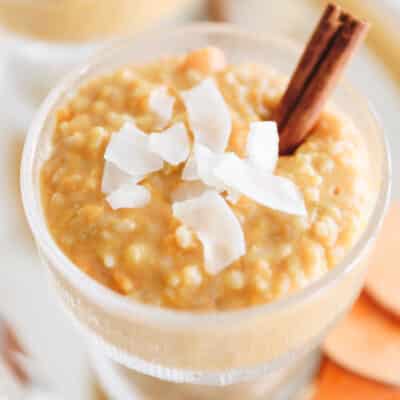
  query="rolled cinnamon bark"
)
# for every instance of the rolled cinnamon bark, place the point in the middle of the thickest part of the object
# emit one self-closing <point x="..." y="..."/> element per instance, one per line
<point x="318" y="43"/>
<point x="334" y="41"/>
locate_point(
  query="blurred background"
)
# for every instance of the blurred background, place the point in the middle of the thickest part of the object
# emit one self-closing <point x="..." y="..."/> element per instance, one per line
<point x="42" y="39"/>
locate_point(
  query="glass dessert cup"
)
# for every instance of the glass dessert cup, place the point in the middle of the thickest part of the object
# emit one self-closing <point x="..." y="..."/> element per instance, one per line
<point x="215" y="348"/>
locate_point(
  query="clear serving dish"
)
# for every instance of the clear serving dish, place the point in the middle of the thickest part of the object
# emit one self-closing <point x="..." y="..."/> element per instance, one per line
<point x="216" y="348"/>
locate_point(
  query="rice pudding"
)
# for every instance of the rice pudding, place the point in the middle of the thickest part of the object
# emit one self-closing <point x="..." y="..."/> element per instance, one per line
<point x="148" y="250"/>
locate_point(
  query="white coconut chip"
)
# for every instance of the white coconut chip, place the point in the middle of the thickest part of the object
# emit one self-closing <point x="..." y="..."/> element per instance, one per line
<point x="172" y="145"/>
<point x="233" y="196"/>
<point x="269" y="190"/>
<point x="201" y="165"/>
<point x="129" y="196"/>
<point x="216" y="226"/>
<point x="206" y="161"/>
<point x="189" y="172"/>
<point x="113" y="178"/>
<point x="129" y="150"/>
<point x="200" y="170"/>
<point x="188" y="190"/>
<point x="162" y="105"/>
<point x="209" y="116"/>
<point x="263" y="145"/>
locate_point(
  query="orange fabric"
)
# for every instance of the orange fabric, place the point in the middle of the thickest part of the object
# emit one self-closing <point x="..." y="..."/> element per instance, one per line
<point x="383" y="280"/>
<point x="367" y="342"/>
<point x="336" y="383"/>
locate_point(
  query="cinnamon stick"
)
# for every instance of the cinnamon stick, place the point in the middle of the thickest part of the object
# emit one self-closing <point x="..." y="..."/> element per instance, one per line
<point x="217" y="10"/>
<point x="331" y="46"/>
<point x="318" y="43"/>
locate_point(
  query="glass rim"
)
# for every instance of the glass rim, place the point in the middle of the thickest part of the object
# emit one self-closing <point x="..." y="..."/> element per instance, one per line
<point x="159" y="315"/>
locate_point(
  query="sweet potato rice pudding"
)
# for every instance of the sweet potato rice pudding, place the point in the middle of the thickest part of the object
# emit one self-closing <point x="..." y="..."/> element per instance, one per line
<point x="164" y="184"/>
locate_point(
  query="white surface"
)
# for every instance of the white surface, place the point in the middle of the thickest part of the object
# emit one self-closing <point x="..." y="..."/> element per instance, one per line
<point x="24" y="296"/>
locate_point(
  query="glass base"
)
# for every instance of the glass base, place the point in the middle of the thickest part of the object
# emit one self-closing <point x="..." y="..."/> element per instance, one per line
<point x="121" y="383"/>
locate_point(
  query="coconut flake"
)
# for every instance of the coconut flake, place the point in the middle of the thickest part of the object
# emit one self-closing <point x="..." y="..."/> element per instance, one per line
<point x="271" y="191"/>
<point x="201" y="165"/>
<point x="172" y="145"/>
<point x="263" y="145"/>
<point x="162" y="105"/>
<point x="113" y="178"/>
<point x="233" y="196"/>
<point x="189" y="172"/>
<point x="129" y="196"/>
<point x="129" y="150"/>
<point x="216" y="226"/>
<point x="188" y="190"/>
<point x="206" y="161"/>
<point x="209" y="115"/>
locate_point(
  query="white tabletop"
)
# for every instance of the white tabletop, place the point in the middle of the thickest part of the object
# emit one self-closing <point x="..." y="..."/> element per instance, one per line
<point x="24" y="296"/>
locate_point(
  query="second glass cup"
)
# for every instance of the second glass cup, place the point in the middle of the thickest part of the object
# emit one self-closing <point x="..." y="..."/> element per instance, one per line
<point x="46" y="38"/>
